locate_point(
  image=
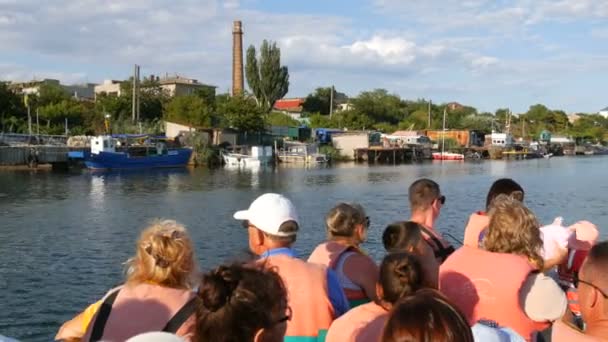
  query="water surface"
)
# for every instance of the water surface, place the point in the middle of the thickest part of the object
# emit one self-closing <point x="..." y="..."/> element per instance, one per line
<point x="64" y="237"/>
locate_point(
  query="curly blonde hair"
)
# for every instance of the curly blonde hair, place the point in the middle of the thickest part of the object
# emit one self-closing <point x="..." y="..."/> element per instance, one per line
<point x="164" y="256"/>
<point x="514" y="229"/>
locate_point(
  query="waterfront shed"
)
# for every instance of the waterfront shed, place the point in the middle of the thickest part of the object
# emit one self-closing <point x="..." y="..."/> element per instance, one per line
<point x="347" y="142"/>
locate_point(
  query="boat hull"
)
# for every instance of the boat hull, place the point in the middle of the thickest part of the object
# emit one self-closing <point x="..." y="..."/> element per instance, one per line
<point x="448" y="156"/>
<point x="121" y="160"/>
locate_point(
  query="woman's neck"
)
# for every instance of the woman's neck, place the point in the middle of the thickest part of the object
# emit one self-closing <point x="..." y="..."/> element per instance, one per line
<point x="346" y="241"/>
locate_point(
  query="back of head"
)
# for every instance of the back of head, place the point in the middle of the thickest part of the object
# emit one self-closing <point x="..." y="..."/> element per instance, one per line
<point x="400" y="275"/>
<point x="422" y="193"/>
<point x="505" y="186"/>
<point x="401" y="236"/>
<point x="342" y="220"/>
<point x="514" y="229"/>
<point x="164" y="256"/>
<point x="595" y="268"/>
<point x="237" y="301"/>
<point x="426" y="316"/>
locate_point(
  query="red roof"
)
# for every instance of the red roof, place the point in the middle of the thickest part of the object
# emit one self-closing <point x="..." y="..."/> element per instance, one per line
<point x="287" y="104"/>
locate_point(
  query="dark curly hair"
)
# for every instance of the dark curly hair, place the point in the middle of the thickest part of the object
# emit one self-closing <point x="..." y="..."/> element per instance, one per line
<point x="238" y="300"/>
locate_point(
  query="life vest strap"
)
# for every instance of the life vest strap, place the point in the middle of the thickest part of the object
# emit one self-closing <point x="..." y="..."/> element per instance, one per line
<point x="181" y="316"/>
<point x="102" y="318"/>
<point x="441" y="252"/>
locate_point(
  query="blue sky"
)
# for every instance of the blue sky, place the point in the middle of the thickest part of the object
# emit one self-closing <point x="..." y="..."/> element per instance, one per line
<point x="488" y="54"/>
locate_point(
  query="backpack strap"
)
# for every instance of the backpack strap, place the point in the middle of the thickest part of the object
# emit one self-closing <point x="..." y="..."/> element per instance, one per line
<point x="441" y="252"/>
<point x="181" y="316"/>
<point x="102" y="318"/>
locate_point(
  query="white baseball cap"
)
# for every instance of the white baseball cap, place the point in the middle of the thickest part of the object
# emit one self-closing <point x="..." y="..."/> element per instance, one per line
<point x="268" y="212"/>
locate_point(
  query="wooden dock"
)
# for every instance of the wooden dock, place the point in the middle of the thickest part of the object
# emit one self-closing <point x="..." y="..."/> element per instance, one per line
<point x="387" y="155"/>
<point x="33" y="155"/>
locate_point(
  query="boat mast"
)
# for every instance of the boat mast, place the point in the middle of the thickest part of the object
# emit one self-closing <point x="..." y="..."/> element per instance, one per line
<point x="443" y="135"/>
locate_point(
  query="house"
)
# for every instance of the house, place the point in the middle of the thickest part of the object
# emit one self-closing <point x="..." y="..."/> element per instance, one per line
<point x="108" y="87"/>
<point x="85" y="91"/>
<point x="344" y="106"/>
<point x="572" y="118"/>
<point x="179" y="86"/>
<point x="604" y="112"/>
<point x="292" y="107"/>
<point x="454" y="106"/>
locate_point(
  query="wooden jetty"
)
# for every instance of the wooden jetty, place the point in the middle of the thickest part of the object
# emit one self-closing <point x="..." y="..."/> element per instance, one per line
<point x="387" y="155"/>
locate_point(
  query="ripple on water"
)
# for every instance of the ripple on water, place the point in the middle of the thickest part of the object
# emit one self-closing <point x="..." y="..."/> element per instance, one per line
<point x="63" y="248"/>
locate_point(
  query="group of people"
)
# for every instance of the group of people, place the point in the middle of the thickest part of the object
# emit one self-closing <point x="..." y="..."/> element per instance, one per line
<point x="509" y="281"/>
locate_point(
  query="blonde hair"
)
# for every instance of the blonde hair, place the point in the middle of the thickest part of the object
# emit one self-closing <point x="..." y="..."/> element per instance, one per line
<point x="164" y="256"/>
<point x="342" y="219"/>
<point x="514" y="229"/>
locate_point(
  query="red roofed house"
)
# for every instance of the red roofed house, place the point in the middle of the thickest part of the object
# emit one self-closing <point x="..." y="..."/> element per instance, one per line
<point x="291" y="107"/>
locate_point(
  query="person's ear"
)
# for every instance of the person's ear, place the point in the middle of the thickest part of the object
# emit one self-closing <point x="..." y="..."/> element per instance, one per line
<point x="379" y="291"/>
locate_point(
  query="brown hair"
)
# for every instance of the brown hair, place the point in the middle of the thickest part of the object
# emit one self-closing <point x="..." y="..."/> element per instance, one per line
<point x="422" y="193"/>
<point x="514" y="229"/>
<point x="401" y="236"/>
<point x="343" y="218"/>
<point x="505" y="186"/>
<point x="164" y="256"/>
<point x="400" y="275"/>
<point x="426" y="316"/>
<point x="597" y="262"/>
<point x="238" y="300"/>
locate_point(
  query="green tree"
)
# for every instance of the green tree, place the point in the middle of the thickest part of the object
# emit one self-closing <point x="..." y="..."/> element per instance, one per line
<point x="320" y="100"/>
<point x="13" y="113"/>
<point x="380" y="106"/>
<point x="352" y="119"/>
<point x="318" y="120"/>
<point x="54" y="115"/>
<point x="189" y="109"/>
<point x="241" y="113"/>
<point x="267" y="78"/>
<point x="280" y="119"/>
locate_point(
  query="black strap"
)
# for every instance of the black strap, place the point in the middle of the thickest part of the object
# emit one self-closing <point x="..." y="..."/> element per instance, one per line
<point x="102" y="317"/>
<point x="441" y="252"/>
<point x="181" y="316"/>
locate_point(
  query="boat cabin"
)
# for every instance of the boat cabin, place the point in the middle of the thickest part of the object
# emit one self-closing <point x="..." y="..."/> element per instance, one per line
<point x="103" y="143"/>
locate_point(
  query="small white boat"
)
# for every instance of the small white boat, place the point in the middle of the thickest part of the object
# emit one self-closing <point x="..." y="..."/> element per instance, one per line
<point x="447" y="156"/>
<point x="301" y="153"/>
<point x="259" y="156"/>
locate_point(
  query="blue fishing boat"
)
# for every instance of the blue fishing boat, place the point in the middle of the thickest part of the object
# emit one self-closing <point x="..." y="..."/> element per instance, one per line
<point x="103" y="155"/>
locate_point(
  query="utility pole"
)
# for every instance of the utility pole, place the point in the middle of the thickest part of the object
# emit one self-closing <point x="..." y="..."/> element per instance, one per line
<point x="331" y="101"/>
<point x="429" y="122"/>
<point x="135" y="100"/>
<point x="37" y="122"/>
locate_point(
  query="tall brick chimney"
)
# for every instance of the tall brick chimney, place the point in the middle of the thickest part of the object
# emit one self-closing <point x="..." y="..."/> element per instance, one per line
<point x="238" y="83"/>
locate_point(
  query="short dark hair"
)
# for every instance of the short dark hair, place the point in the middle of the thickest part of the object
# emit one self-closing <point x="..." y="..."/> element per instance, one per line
<point x="426" y="316"/>
<point x="237" y="300"/>
<point x="598" y="260"/>
<point x="422" y="193"/>
<point x="400" y="275"/>
<point x="505" y="186"/>
<point x="400" y="236"/>
<point x="286" y="227"/>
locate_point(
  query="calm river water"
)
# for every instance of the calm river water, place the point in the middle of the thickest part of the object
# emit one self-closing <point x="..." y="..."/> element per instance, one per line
<point x="64" y="237"/>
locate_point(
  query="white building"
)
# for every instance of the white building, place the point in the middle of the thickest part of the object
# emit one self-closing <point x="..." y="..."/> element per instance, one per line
<point x="84" y="91"/>
<point x="108" y="87"/>
<point x="502" y="139"/>
<point x="604" y="112"/>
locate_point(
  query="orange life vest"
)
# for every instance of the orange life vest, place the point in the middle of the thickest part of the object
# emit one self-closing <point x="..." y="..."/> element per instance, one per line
<point x="486" y="285"/>
<point x="306" y="285"/>
<point x="329" y="254"/>
<point x="133" y="310"/>
<point x="363" y="323"/>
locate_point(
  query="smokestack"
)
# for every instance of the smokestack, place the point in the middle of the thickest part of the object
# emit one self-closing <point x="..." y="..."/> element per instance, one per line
<point x="237" y="59"/>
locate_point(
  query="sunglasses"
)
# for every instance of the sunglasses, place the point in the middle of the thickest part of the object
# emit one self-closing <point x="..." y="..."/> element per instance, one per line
<point x="245" y="224"/>
<point x="441" y="199"/>
<point x="368" y="222"/>
<point x="578" y="281"/>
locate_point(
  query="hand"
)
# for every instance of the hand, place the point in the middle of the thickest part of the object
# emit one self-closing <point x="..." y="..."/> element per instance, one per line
<point x="560" y="256"/>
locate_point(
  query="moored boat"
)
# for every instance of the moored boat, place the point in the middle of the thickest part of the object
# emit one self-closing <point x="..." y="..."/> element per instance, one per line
<point x="103" y="155"/>
<point x="447" y="156"/>
<point x="259" y="156"/>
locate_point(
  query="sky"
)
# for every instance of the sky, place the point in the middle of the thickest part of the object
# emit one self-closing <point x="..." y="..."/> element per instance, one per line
<point x="487" y="54"/>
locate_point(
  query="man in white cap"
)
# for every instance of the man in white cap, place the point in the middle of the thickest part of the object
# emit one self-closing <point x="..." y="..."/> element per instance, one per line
<point x="315" y="295"/>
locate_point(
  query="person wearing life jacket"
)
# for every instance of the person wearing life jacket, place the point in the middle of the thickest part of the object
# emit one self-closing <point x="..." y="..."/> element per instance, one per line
<point x="157" y="294"/>
<point x="347" y="227"/>
<point x="400" y="275"/>
<point x="242" y="302"/>
<point x="478" y="221"/>
<point x="407" y="237"/>
<point x="592" y="283"/>
<point x="314" y="292"/>
<point x="503" y="281"/>
<point x="426" y="202"/>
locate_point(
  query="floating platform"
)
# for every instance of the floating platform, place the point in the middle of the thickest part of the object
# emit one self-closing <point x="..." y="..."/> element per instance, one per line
<point x="388" y="155"/>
